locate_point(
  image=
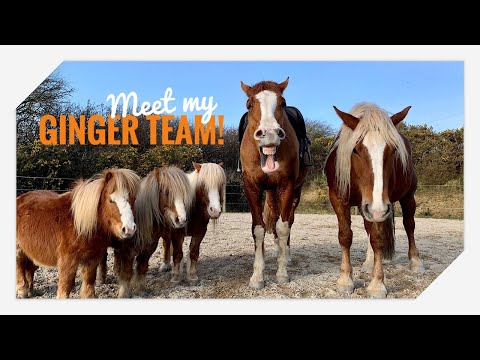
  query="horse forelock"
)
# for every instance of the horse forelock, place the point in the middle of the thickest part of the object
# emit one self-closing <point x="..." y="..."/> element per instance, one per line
<point x="212" y="176"/>
<point x="86" y="198"/>
<point x="372" y="118"/>
<point x="169" y="183"/>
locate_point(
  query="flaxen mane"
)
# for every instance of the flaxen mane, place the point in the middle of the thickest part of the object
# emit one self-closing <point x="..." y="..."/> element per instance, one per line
<point x="86" y="197"/>
<point x="372" y="118"/>
<point x="171" y="183"/>
<point x="212" y="177"/>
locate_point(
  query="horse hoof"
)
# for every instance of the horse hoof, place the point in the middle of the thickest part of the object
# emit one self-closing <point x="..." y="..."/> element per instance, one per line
<point x="165" y="267"/>
<point x="416" y="266"/>
<point x="367" y="267"/>
<point x="283" y="280"/>
<point x="174" y="282"/>
<point x="345" y="287"/>
<point x="24" y="293"/>
<point x="194" y="282"/>
<point x="377" y="290"/>
<point x="123" y="293"/>
<point x="257" y="285"/>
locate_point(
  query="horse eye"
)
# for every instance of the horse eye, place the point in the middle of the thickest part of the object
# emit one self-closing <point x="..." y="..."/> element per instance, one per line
<point x="355" y="151"/>
<point x="111" y="201"/>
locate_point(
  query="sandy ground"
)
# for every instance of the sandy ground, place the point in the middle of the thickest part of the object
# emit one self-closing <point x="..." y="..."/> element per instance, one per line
<point x="226" y="262"/>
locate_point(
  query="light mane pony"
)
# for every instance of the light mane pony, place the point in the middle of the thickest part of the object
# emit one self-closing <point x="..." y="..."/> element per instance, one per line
<point x="169" y="184"/>
<point x="372" y="118"/>
<point x="86" y="197"/>
<point x="212" y="177"/>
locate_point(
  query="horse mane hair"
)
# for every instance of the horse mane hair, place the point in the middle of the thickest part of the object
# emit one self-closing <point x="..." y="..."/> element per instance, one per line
<point x="211" y="176"/>
<point x="372" y="118"/>
<point x="86" y="196"/>
<point x="171" y="183"/>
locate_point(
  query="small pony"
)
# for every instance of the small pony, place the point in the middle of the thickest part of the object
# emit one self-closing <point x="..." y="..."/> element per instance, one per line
<point x="162" y="206"/>
<point x="209" y="184"/>
<point x="73" y="229"/>
<point x="370" y="166"/>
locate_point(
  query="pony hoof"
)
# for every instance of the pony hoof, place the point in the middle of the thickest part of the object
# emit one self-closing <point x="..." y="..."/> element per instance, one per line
<point x="194" y="282"/>
<point x="165" y="267"/>
<point x="123" y="294"/>
<point x="416" y="266"/>
<point x="257" y="285"/>
<point x="24" y="293"/>
<point x="283" y="280"/>
<point x="377" y="291"/>
<point x="174" y="282"/>
<point x="345" y="287"/>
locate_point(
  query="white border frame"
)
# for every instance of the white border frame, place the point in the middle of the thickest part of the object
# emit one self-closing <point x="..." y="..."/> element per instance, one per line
<point x="457" y="289"/>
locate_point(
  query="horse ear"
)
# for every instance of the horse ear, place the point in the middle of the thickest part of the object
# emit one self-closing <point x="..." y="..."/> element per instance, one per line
<point x="284" y="85"/>
<point x="348" y="119"/>
<point x="197" y="166"/>
<point x="108" y="177"/>
<point x="245" y="88"/>
<point x="156" y="172"/>
<point x="221" y="164"/>
<point x="396" y="118"/>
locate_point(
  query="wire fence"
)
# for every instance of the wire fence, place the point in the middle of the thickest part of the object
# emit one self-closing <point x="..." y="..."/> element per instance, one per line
<point x="444" y="201"/>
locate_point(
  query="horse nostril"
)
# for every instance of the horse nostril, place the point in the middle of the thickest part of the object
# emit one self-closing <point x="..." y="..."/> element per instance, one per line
<point x="281" y="134"/>
<point x="366" y="209"/>
<point x="389" y="209"/>
<point x="134" y="227"/>
<point x="259" y="133"/>
<point x="124" y="230"/>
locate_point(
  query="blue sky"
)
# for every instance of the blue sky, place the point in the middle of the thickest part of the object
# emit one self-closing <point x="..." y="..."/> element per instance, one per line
<point x="434" y="89"/>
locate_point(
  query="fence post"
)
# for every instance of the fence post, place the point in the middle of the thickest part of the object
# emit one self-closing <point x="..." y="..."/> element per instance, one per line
<point x="224" y="205"/>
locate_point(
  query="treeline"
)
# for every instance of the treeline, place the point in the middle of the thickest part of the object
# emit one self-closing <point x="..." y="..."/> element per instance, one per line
<point x="438" y="156"/>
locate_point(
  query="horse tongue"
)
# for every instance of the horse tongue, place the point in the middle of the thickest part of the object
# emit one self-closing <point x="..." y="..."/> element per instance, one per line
<point x="270" y="163"/>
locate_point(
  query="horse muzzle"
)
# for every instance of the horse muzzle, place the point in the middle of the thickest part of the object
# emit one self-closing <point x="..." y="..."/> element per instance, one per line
<point x="376" y="215"/>
<point x="127" y="231"/>
<point x="268" y="141"/>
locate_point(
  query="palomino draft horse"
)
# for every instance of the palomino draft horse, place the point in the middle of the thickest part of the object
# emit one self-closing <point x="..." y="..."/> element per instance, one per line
<point x="73" y="229"/>
<point x="208" y="182"/>
<point x="370" y="166"/>
<point x="162" y="208"/>
<point x="270" y="158"/>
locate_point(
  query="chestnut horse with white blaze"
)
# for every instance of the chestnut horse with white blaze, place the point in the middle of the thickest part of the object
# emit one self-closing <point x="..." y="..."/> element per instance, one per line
<point x="370" y="166"/>
<point x="162" y="208"/>
<point x="270" y="157"/>
<point x="73" y="229"/>
<point x="208" y="182"/>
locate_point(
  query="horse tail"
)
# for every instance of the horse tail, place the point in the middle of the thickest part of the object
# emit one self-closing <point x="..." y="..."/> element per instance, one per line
<point x="389" y="239"/>
<point x="269" y="216"/>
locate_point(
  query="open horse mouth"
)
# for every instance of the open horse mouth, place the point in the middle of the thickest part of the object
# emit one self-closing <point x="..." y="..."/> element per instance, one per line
<point x="268" y="158"/>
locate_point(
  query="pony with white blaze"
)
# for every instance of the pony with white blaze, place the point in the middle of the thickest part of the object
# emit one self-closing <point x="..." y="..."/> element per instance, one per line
<point x="74" y="229"/>
<point x="370" y="166"/>
<point x="208" y="181"/>
<point x="162" y="208"/>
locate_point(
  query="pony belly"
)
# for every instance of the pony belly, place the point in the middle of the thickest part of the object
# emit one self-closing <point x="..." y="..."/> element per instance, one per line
<point x="41" y="250"/>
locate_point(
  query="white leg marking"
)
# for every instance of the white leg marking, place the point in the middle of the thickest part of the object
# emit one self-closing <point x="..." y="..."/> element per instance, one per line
<point x="257" y="281"/>
<point x="368" y="264"/>
<point x="283" y="231"/>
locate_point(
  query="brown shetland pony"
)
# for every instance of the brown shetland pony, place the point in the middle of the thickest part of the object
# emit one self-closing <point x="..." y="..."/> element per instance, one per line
<point x="73" y="229"/>
<point x="208" y="181"/>
<point x="370" y="166"/>
<point x="269" y="153"/>
<point x="162" y="208"/>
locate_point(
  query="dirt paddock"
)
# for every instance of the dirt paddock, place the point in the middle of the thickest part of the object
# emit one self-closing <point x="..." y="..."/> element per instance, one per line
<point x="226" y="262"/>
